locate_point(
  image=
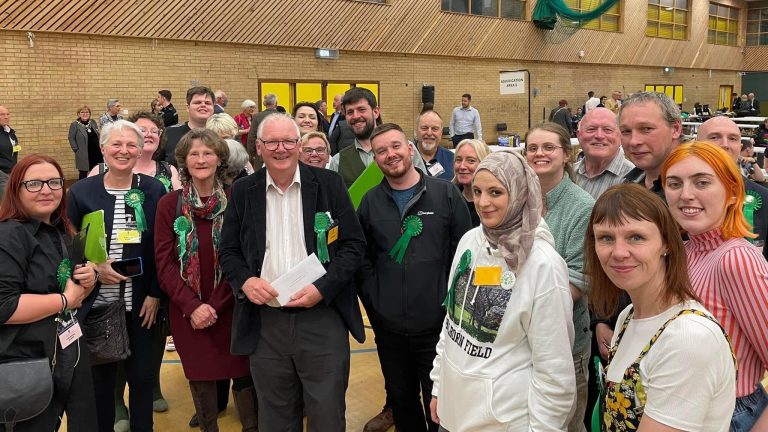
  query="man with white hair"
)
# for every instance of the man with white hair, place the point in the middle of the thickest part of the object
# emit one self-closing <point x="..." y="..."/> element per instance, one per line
<point x="221" y="101"/>
<point x="299" y="350"/>
<point x="604" y="164"/>
<point x="9" y="143"/>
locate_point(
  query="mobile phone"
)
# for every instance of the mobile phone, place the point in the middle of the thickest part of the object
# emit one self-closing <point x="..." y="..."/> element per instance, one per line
<point x="130" y="267"/>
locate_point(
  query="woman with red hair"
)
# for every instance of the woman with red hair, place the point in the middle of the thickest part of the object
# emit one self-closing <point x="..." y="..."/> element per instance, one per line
<point x="705" y="193"/>
<point x="39" y="286"/>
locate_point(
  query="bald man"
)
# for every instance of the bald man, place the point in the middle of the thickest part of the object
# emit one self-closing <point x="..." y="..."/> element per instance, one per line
<point x="604" y="164"/>
<point x="725" y="133"/>
<point x="429" y="130"/>
<point x="9" y="144"/>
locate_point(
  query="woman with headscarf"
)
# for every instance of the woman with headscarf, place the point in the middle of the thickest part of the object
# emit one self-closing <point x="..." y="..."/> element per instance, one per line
<point x="504" y="356"/>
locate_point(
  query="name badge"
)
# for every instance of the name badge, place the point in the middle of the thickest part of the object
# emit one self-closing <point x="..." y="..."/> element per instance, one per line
<point x="487" y="276"/>
<point x="16" y="148"/>
<point x="69" y="331"/>
<point x="436" y="169"/>
<point x="333" y="234"/>
<point x="128" y="236"/>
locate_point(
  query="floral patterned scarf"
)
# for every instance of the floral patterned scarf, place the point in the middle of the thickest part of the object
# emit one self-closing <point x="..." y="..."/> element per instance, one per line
<point x="192" y="207"/>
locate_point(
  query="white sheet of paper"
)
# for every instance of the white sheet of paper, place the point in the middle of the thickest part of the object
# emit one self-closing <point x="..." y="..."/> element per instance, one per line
<point x="304" y="273"/>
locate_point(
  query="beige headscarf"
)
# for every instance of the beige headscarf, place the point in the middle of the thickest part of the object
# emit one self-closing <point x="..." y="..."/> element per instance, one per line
<point x="514" y="235"/>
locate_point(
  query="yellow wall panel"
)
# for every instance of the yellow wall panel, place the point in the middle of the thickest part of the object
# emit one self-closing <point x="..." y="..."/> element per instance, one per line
<point x="281" y="90"/>
<point x="331" y="90"/>
<point x="309" y="92"/>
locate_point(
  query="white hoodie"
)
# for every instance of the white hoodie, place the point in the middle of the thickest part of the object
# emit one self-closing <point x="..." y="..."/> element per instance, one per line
<point x="509" y="367"/>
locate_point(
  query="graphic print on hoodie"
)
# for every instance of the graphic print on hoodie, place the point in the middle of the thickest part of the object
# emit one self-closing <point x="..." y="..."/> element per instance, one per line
<point x="480" y="308"/>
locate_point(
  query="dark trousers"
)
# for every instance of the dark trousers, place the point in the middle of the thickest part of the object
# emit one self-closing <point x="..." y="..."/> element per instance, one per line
<point x="406" y="361"/>
<point x="458" y="138"/>
<point x="301" y="354"/>
<point x="158" y="351"/>
<point x="72" y="393"/>
<point x="138" y="371"/>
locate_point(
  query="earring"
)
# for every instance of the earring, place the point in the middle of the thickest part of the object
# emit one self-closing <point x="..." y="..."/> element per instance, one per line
<point x="664" y="254"/>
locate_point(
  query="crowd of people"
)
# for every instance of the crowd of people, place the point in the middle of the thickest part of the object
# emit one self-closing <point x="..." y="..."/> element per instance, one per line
<point x="507" y="289"/>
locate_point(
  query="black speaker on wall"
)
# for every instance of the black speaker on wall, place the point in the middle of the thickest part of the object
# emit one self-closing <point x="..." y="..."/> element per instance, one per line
<point x="428" y="94"/>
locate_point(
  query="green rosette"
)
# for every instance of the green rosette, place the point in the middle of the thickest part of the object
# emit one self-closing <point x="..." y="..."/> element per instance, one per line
<point x="752" y="202"/>
<point x="181" y="227"/>
<point x="412" y="227"/>
<point x="165" y="181"/>
<point x="461" y="268"/>
<point x="135" y="199"/>
<point x="322" y="223"/>
<point x="64" y="272"/>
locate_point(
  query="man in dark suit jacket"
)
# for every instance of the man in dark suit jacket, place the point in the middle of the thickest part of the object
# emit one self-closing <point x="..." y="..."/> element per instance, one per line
<point x="299" y="350"/>
<point x="342" y="136"/>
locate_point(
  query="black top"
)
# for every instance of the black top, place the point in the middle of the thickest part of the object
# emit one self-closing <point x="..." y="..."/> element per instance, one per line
<point x="8" y="157"/>
<point x="30" y="253"/>
<point x="174" y="135"/>
<point x="170" y="116"/>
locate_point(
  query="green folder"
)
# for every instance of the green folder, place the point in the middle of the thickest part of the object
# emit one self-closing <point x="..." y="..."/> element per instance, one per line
<point x="368" y="179"/>
<point x="96" y="241"/>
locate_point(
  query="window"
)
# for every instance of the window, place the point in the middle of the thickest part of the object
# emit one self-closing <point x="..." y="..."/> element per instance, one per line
<point x="495" y="8"/>
<point x="673" y="91"/>
<point x="723" y="25"/>
<point x="608" y="21"/>
<point x="757" y="26"/>
<point x="289" y="93"/>
<point x="668" y="19"/>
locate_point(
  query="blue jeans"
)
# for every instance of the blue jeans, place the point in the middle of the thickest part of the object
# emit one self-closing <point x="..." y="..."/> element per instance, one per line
<point x="748" y="410"/>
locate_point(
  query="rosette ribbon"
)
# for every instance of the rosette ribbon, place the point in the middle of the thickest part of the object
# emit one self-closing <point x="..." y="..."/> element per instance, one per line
<point x="412" y="227"/>
<point x="165" y="181"/>
<point x="135" y="199"/>
<point x="752" y="203"/>
<point x="181" y="227"/>
<point x="63" y="273"/>
<point x="461" y="268"/>
<point x="322" y="223"/>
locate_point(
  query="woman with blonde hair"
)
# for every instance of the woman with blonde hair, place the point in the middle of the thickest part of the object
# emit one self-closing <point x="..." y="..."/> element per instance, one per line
<point x="705" y="193"/>
<point x="468" y="155"/>
<point x="224" y="126"/>
<point x="84" y="139"/>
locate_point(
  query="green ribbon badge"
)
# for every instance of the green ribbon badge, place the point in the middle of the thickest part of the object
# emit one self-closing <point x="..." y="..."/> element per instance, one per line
<point x="135" y="199"/>
<point x="182" y="227"/>
<point x="64" y="272"/>
<point x="322" y="223"/>
<point x="412" y="227"/>
<point x="752" y="203"/>
<point x="461" y="268"/>
<point x="165" y="181"/>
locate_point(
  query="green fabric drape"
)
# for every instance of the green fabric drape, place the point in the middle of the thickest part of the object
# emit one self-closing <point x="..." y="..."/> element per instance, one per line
<point x="546" y="12"/>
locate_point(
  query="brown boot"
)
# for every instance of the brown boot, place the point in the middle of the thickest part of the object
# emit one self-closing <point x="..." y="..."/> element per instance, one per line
<point x="204" y="398"/>
<point x="383" y="421"/>
<point x="248" y="408"/>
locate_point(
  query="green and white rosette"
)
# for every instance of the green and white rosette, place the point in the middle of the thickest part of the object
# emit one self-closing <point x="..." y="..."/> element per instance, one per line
<point x="464" y="262"/>
<point x="412" y="227"/>
<point x="322" y="223"/>
<point x="182" y="227"/>
<point x="135" y="199"/>
<point x="165" y="181"/>
<point x="63" y="273"/>
<point x="752" y="203"/>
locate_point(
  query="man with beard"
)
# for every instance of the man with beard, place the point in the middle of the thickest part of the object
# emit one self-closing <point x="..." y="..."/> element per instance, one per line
<point x="200" y="107"/>
<point x="403" y="287"/>
<point x="438" y="161"/>
<point x="361" y="112"/>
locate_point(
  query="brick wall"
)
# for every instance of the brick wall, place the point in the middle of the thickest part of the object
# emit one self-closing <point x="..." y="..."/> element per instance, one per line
<point x="43" y="86"/>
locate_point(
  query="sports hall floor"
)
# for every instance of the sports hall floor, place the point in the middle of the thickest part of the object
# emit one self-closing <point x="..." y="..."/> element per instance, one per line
<point x="365" y="395"/>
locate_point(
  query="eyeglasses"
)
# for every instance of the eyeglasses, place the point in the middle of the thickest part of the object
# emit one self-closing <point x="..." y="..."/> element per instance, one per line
<point x="546" y="149"/>
<point x="37" y="185"/>
<point x="320" y="150"/>
<point x="287" y="144"/>
<point x="145" y="131"/>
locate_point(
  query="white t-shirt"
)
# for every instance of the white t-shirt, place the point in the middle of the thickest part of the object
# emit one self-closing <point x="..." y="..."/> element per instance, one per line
<point x="688" y="374"/>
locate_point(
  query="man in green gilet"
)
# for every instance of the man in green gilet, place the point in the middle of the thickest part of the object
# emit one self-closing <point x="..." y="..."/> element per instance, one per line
<point x="362" y="113"/>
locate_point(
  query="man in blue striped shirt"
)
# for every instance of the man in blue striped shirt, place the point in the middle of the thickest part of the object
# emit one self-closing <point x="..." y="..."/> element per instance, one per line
<point x="465" y="121"/>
